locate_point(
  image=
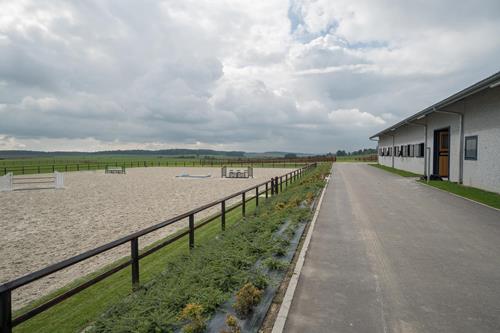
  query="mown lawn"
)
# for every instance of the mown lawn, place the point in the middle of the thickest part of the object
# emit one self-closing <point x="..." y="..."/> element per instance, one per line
<point x="402" y="173"/>
<point x="77" y="312"/>
<point x="488" y="198"/>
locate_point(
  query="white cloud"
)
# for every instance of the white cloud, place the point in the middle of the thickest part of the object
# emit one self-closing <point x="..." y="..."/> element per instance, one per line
<point x="262" y="75"/>
<point x="354" y="117"/>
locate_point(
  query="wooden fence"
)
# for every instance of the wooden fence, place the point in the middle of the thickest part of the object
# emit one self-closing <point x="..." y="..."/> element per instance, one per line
<point x="66" y="167"/>
<point x="271" y="187"/>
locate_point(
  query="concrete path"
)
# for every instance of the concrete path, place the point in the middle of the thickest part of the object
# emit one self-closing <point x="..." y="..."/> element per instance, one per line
<point x="390" y="255"/>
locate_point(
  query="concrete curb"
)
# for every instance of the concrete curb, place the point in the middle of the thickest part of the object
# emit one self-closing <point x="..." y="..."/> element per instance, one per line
<point x="280" y="321"/>
<point x="458" y="196"/>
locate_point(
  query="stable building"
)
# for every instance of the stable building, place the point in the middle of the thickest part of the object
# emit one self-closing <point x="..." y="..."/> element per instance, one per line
<point x="456" y="139"/>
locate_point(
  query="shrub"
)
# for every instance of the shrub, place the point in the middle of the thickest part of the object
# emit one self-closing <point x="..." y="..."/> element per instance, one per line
<point x="232" y="324"/>
<point x="275" y="264"/>
<point x="279" y="251"/>
<point x="259" y="280"/>
<point x="246" y="298"/>
<point x="194" y="314"/>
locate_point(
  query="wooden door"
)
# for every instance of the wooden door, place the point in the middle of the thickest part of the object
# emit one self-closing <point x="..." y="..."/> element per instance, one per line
<point x="443" y="153"/>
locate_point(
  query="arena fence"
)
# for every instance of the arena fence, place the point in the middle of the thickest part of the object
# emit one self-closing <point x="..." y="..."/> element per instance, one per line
<point x="66" y="166"/>
<point x="271" y="187"/>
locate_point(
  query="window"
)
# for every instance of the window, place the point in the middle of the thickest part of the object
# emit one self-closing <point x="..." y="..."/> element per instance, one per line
<point x="471" y="147"/>
<point x="419" y="150"/>
<point x="380" y="152"/>
<point x="411" y="150"/>
<point x="390" y="151"/>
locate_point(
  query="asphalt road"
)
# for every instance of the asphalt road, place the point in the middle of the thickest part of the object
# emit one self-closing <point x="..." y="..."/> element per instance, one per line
<point x="390" y="255"/>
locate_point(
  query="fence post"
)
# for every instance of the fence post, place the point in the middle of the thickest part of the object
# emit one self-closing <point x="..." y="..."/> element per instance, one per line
<point x="257" y="196"/>
<point x="267" y="195"/>
<point x="191" y="231"/>
<point x="243" y="204"/>
<point x="272" y="186"/>
<point x="134" y="248"/>
<point x="6" y="311"/>
<point x="276" y="185"/>
<point x="281" y="183"/>
<point x="223" y="215"/>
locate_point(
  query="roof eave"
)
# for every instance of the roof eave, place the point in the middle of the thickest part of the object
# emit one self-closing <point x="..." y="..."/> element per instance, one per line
<point x="491" y="81"/>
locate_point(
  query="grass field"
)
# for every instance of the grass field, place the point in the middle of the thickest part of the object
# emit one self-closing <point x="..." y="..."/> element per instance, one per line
<point x="81" y="163"/>
<point x="357" y="158"/>
<point x="488" y="198"/>
<point x="400" y="172"/>
<point x="86" y="307"/>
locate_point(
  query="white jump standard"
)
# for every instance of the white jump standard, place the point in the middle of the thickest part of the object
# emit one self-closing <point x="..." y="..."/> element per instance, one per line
<point x="236" y="172"/>
<point x="115" y="169"/>
<point x="9" y="182"/>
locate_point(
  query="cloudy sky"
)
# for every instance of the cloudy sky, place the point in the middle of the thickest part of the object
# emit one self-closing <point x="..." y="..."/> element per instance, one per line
<point x="260" y="75"/>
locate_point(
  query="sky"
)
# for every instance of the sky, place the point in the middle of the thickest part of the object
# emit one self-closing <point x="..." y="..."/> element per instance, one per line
<point x="263" y="75"/>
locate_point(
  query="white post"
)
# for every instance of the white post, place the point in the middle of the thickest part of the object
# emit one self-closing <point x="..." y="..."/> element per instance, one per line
<point x="428" y="153"/>
<point x="59" y="180"/>
<point x="6" y="182"/>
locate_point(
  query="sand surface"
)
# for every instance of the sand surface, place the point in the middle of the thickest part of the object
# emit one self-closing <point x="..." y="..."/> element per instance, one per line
<point x="44" y="226"/>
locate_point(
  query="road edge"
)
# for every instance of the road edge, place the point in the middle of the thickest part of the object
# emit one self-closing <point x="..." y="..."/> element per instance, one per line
<point x="279" y="323"/>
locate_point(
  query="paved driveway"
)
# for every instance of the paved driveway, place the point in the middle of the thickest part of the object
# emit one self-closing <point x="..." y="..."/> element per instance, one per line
<point x="390" y="255"/>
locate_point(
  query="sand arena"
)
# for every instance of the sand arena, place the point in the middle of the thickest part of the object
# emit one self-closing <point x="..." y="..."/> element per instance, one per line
<point x="42" y="227"/>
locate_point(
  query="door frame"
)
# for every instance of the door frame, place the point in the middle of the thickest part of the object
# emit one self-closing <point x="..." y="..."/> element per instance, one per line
<point x="435" y="167"/>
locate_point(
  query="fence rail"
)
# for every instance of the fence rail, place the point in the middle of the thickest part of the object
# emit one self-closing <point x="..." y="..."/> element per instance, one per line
<point x="275" y="186"/>
<point x="95" y="165"/>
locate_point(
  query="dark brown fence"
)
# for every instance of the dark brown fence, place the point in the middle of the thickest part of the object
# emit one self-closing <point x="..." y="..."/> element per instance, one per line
<point x="94" y="165"/>
<point x="271" y="187"/>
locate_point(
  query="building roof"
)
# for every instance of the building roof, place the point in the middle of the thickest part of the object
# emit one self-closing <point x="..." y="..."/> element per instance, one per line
<point x="490" y="82"/>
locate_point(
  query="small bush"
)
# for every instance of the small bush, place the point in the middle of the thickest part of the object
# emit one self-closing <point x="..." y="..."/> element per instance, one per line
<point x="280" y="205"/>
<point x="310" y="197"/>
<point x="232" y="324"/>
<point x="246" y="298"/>
<point x="275" y="264"/>
<point x="279" y="251"/>
<point x="259" y="280"/>
<point x="194" y="314"/>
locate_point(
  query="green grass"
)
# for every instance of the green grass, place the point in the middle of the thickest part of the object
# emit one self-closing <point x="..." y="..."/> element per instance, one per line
<point x="75" y="163"/>
<point x="355" y="158"/>
<point x="79" y="311"/>
<point x="400" y="172"/>
<point x="488" y="198"/>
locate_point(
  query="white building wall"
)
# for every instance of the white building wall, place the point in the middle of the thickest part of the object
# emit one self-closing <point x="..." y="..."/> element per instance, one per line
<point x="482" y="118"/>
<point x="385" y="142"/>
<point x="410" y="134"/>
